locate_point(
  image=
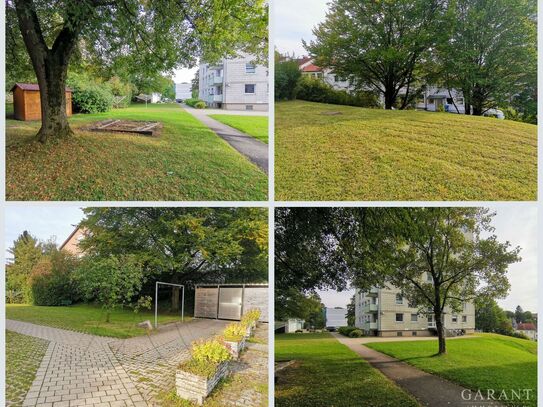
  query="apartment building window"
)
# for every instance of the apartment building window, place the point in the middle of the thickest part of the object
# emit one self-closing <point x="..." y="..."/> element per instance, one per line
<point x="414" y="317"/>
<point x="250" y="68"/>
<point x="460" y="101"/>
<point x="429" y="277"/>
<point x="414" y="333"/>
<point x="399" y="333"/>
<point x="399" y="317"/>
<point x="248" y="107"/>
<point x="399" y="299"/>
<point x="250" y="88"/>
<point x="454" y="319"/>
<point x="464" y="318"/>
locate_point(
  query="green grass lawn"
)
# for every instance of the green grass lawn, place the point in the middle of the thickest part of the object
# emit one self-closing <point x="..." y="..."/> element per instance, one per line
<point x="327" y="373"/>
<point x="23" y="358"/>
<point x="186" y="162"/>
<point x="486" y="362"/>
<point x="373" y="154"/>
<point x="88" y="318"/>
<point x="256" y="126"/>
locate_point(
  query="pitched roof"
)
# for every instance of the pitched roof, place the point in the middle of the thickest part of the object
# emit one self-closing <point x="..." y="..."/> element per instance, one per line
<point x="31" y="86"/>
<point x="311" y="68"/>
<point x="69" y="237"/>
<point x="527" y="326"/>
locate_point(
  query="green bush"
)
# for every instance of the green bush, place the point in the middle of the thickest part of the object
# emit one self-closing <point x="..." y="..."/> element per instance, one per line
<point x="206" y="355"/>
<point x="287" y="74"/>
<point x="346" y="330"/>
<point x="194" y="101"/>
<point x="51" y="281"/>
<point x="89" y="97"/>
<point x="356" y="333"/>
<point x="316" y="90"/>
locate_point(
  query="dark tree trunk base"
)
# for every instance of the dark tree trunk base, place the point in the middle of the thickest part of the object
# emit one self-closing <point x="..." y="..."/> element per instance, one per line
<point x="46" y="134"/>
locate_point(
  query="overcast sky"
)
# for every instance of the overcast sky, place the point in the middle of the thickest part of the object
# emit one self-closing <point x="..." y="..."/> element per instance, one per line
<point x="518" y="225"/>
<point x="184" y="75"/>
<point x="294" y="20"/>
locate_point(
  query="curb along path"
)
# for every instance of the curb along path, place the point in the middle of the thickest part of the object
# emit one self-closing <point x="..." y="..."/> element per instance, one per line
<point x="255" y="150"/>
<point x="430" y="390"/>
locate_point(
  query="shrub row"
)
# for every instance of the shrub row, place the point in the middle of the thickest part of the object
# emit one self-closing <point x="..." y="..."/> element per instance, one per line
<point x="316" y="90"/>
<point x="351" y="331"/>
<point x="196" y="103"/>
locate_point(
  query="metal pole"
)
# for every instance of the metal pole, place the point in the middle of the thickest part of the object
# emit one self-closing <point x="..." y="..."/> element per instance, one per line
<point x="156" y="305"/>
<point x="183" y="306"/>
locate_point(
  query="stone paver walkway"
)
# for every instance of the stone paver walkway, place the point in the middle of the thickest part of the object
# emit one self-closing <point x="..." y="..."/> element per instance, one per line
<point x="81" y="369"/>
<point x="429" y="390"/>
<point x="255" y="150"/>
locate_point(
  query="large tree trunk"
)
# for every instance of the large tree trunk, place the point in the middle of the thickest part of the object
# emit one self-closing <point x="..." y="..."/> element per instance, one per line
<point x="175" y="299"/>
<point x="54" y="121"/>
<point x="51" y="65"/>
<point x="390" y="98"/>
<point x="440" y="332"/>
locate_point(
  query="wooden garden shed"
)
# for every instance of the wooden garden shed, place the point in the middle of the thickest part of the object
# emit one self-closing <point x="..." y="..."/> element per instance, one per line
<point x="26" y="101"/>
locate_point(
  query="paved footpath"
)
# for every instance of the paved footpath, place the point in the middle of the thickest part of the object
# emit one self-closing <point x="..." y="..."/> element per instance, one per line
<point x="428" y="389"/>
<point x="81" y="369"/>
<point x="255" y="150"/>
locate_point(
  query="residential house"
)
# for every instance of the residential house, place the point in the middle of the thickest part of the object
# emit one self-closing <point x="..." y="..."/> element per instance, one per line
<point x="435" y="99"/>
<point x="527" y="328"/>
<point x="308" y="68"/>
<point x="71" y="244"/>
<point x="183" y="91"/>
<point x="335" y="317"/>
<point x="385" y="312"/>
<point x="234" y="84"/>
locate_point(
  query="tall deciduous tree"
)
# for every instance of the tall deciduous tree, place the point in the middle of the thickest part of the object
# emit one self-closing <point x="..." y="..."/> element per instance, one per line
<point x="153" y="36"/>
<point x="488" y="51"/>
<point x="377" y="43"/>
<point x="489" y="317"/>
<point x="437" y="257"/>
<point x="183" y="245"/>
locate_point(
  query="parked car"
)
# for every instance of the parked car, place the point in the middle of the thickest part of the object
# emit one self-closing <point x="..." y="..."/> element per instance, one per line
<point x="331" y="328"/>
<point x="497" y="113"/>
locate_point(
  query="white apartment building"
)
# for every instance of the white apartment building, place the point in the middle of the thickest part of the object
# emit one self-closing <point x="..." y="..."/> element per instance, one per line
<point x="183" y="91"/>
<point x="384" y="312"/>
<point x="234" y="84"/>
<point x="335" y="317"/>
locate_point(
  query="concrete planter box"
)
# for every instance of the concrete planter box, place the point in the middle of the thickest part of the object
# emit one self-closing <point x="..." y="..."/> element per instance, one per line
<point x="235" y="348"/>
<point x="196" y="388"/>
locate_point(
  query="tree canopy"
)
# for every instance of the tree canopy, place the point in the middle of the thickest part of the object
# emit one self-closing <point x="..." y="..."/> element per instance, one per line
<point x="439" y="258"/>
<point x="144" y="38"/>
<point x="377" y="44"/>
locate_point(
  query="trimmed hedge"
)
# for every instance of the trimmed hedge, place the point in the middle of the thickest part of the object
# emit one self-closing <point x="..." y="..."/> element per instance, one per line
<point x="196" y="103"/>
<point x="316" y="90"/>
<point x="356" y="333"/>
<point x="346" y="330"/>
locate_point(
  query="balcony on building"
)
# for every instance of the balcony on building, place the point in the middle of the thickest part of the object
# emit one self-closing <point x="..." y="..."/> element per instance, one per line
<point x="217" y="98"/>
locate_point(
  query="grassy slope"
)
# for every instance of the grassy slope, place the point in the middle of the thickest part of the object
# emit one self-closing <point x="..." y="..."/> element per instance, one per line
<point x="330" y="374"/>
<point x="488" y="362"/>
<point x="373" y="154"/>
<point x="87" y="318"/>
<point x="187" y="162"/>
<point x="256" y="126"/>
